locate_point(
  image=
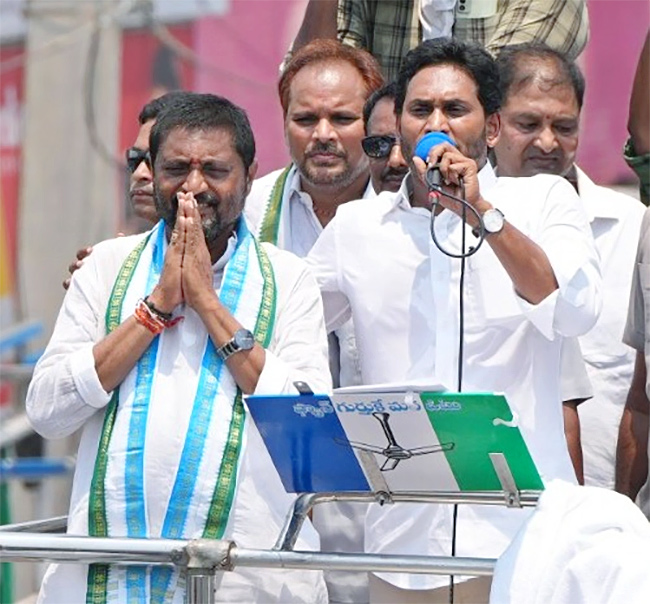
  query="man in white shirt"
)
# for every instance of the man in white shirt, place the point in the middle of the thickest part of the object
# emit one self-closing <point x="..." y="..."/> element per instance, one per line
<point x="322" y="91"/>
<point x="535" y="278"/>
<point x="159" y="337"/>
<point x="542" y="99"/>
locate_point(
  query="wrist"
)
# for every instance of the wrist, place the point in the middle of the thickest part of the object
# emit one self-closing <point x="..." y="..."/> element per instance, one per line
<point x="206" y="303"/>
<point x="159" y="302"/>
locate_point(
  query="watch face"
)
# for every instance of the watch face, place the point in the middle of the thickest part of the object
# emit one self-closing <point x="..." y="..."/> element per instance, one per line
<point x="244" y="339"/>
<point x="493" y="221"/>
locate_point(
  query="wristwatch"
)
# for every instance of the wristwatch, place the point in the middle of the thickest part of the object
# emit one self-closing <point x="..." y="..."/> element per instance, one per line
<point x="493" y="220"/>
<point x="242" y="340"/>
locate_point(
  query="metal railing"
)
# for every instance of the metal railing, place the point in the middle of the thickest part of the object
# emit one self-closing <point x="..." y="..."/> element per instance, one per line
<point x="200" y="559"/>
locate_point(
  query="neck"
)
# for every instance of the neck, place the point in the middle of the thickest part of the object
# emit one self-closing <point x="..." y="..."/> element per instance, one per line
<point x="326" y="198"/>
<point x="572" y="177"/>
<point x="219" y="246"/>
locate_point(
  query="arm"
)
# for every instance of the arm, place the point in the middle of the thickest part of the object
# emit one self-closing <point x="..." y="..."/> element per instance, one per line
<point x="319" y="22"/>
<point x="564" y="26"/>
<point x="638" y="124"/>
<point x="632" y="446"/>
<point x="323" y="260"/>
<point x="572" y="435"/>
<point x="525" y="262"/>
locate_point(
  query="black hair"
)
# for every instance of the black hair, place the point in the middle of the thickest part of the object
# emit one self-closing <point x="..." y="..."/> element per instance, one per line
<point x="388" y="91"/>
<point x="151" y="110"/>
<point x="205" y="112"/>
<point x="518" y="66"/>
<point x="471" y="58"/>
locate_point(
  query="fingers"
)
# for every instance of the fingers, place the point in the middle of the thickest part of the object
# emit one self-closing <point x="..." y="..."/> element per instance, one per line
<point x="66" y="283"/>
<point x="83" y="252"/>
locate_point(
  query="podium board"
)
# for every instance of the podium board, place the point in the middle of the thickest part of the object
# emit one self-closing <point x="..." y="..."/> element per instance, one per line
<point x="365" y="439"/>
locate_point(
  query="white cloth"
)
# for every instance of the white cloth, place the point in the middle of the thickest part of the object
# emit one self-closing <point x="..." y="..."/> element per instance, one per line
<point x="376" y="262"/>
<point x="615" y="223"/>
<point x="340" y="525"/>
<point x="65" y="394"/>
<point x="582" y="545"/>
<point x="574" y="381"/>
<point x="437" y="18"/>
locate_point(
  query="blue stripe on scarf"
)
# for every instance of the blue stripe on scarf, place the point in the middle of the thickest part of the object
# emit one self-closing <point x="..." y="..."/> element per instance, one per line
<point x="134" y="483"/>
<point x="194" y="447"/>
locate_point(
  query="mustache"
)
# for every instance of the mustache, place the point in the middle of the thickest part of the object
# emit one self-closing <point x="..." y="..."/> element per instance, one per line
<point x="206" y="198"/>
<point x="400" y="172"/>
<point x="329" y="148"/>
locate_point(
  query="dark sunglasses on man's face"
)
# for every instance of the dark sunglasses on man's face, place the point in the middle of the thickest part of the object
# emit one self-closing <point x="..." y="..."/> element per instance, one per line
<point x="134" y="156"/>
<point x="378" y="147"/>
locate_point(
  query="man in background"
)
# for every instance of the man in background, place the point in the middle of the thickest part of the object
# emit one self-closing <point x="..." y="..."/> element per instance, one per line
<point x="322" y="92"/>
<point x="390" y="28"/>
<point x="542" y="98"/>
<point x="381" y="144"/>
<point x="138" y="164"/>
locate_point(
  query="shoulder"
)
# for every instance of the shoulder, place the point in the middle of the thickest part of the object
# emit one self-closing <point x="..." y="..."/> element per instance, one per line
<point x="111" y="253"/>
<point x="525" y="193"/>
<point x="283" y="260"/>
<point x="258" y="198"/>
<point x="101" y="267"/>
<point x="369" y="208"/>
<point x="290" y="271"/>
<point x="262" y="186"/>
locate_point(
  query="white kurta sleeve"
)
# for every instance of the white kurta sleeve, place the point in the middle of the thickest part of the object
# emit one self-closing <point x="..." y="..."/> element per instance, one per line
<point x="635" y="326"/>
<point x="324" y="262"/>
<point x="298" y="351"/>
<point x="565" y="236"/>
<point x="65" y="389"/>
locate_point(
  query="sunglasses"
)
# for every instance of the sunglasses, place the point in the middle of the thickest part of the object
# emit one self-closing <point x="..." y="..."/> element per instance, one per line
<point x="379" y="147"/>
<point x="134" y="156"/>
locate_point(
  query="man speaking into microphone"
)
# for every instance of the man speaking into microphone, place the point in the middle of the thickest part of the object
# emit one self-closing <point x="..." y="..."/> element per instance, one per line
<point x="534" y="279"/>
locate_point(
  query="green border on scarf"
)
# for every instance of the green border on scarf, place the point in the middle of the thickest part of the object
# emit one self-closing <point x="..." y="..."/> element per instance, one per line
<point x="224" y="491"/>
<point x="271" y="222"/>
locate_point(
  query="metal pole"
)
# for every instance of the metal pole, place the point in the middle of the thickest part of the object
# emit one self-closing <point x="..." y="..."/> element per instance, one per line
<point x="435" y="565"/>
<point x="57" y="524"/>
<point x="306" y="501"/>
<point x="199" y="586"/>
<point x="89" y="550"/>
<point x="202" y="557"/>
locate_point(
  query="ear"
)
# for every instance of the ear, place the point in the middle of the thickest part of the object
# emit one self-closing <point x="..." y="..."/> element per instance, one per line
<point x="493" y="129"/>
<point x="250" y="176"/>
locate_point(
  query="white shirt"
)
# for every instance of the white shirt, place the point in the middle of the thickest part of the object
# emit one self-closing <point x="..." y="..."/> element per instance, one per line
<point x="65" y="394"/>
<point x="615" y="223"/>
<point x="340" y="524"/>
<point x="376" y="262"/>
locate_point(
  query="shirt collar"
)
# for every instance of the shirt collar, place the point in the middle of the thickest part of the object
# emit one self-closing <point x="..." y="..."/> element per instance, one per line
<point x="227" y="255"/>
<point x="596" y="204"/>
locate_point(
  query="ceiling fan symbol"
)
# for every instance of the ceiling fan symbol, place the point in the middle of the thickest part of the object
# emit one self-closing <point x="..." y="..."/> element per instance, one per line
<point x="394" y="452"/>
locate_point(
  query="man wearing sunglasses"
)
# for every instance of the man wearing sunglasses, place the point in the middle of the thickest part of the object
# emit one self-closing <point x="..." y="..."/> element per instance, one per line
<point x="381" y="144"/>
<point x="138" y="164"/>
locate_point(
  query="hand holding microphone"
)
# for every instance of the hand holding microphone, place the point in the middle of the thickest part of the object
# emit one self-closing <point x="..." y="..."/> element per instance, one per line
<point x="433" y="178"/>
<point x="442" y="166"/>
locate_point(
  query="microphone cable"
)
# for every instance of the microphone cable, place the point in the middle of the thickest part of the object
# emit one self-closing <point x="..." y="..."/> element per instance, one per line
<point x="435" y="191"/>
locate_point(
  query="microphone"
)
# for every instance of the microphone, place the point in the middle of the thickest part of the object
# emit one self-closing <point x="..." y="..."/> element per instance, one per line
<point x="425" y="144"/>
